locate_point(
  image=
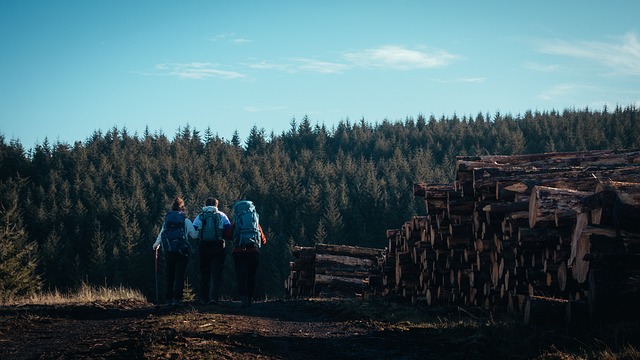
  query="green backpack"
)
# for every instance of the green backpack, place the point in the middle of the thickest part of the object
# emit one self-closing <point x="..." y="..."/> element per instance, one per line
<point x="210" y="228"/>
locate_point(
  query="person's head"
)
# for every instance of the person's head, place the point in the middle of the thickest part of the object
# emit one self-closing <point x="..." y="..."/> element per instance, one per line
<point x="178" y="204"/>
<point x="211" y="202"/>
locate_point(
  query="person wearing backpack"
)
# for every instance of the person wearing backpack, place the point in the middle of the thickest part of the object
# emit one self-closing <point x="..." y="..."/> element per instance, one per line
<point x="248" y="237"/>
<point x="174" y="241"/>
<point x="210" y="224"/>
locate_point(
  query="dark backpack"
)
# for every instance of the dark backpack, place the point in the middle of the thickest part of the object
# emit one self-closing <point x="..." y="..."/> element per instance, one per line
<point x="247" y="231"/>
<point x="173" y="236"/>
<point x="210" y="228"/>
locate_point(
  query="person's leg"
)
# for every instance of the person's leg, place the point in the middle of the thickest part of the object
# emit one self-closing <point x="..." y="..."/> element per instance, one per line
<point x="170" y="275"/>
<point x="253" y="260"/>
<point x="206" y="257"/>
<point x="217" y="266"/>
<point x="178" y="283"/>
<point x="239" y="260"/>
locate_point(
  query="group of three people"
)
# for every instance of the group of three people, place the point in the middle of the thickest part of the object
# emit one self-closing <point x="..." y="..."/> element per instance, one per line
<point x="246" y="234"/>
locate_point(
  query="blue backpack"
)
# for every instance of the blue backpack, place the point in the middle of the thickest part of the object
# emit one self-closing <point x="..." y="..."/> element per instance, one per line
<point x="247" y="231"/>
<point x="173" y="236"/>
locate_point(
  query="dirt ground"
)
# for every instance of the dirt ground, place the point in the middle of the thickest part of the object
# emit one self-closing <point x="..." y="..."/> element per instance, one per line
<point x="266" y="330"/>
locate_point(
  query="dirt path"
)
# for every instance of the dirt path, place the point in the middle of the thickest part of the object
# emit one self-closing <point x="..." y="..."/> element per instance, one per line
<point x="267" y="330"/>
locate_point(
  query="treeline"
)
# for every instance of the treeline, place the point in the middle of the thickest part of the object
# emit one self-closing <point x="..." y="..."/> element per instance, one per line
<point x="89" y="212"/>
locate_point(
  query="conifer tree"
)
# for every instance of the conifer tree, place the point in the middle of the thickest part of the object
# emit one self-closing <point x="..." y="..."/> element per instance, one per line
<point x="18" y="262"/>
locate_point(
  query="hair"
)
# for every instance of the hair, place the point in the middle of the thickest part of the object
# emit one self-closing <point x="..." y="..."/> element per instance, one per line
<point x="178" y="204"/>
<point x="211" y="202"/>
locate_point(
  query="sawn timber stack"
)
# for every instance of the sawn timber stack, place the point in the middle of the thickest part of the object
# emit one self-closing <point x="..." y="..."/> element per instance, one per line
<point x="334" y="271"/>
<point x="553" y="233"/>
<point x="515" y="229"/>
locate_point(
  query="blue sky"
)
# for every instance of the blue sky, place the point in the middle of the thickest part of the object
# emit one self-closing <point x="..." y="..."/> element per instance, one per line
<point x="69" y="68"/>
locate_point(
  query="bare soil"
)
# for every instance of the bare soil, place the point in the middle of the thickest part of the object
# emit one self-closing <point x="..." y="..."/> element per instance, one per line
<point x="300" y="329"/>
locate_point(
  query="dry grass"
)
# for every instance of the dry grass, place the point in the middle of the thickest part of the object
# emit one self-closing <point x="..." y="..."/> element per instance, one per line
<point x="85" y="294"/>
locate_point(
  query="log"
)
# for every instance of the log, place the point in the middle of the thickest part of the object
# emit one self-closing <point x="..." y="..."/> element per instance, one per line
<point x="507" y="183"/>
<point x="507" y="207"/>
<point x="545" y="311"/>
<point x="580" y="268"/>
<point x="628" y="192"/>
<point x="626" y="203"/>
<point x="551" y="204"/>
<point x="555" y="159"/>
<point x="303" y="252"/>
<point x="328" y="285"/>
<point x="562" y="276"/>
<point x="582" y="220"/>
<point x="433" y="191"/>
<point x="327" y="260"/>
<point x="354" y="251"/>
<point x="337" y="280"/>
<point x="574" y="177"/>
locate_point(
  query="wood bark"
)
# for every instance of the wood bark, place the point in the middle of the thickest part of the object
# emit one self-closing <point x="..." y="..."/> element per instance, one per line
<point x="354" y="251"/>
<point x="553" y="204"/>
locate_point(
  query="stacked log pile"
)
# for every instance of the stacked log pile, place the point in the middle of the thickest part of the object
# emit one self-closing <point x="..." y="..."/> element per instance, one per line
<point x="334" y="271"/>
<point x="512" y="229"/>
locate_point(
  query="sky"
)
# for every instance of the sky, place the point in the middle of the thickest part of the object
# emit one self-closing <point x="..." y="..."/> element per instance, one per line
<point x="69" y="68"/>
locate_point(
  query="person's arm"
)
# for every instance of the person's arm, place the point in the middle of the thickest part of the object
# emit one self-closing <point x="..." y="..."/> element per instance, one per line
<point x="225" y="223"/>
<point x="197" y="222"/>
<point x="190" y="230"/>
<point x="158" y="239"/>
<point x="262" y="237"/>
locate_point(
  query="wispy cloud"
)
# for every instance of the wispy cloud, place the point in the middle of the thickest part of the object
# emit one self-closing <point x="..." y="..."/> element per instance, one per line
<point x="230" y="37"/>
<point x="622" y="56"/>
<point x="559" y="91"/>
<point x="264" y="65"/>
<point x="398" y="57"/>
<point x="472" y="80"/>
<point x="301" y="65"/>
<point x="389" y="57"/>
<point x="324" y="67"/>
<point x="195" y="70"/>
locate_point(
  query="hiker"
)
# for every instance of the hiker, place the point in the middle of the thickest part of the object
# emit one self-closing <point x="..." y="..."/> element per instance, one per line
<point x="173" y="238"/>
<point x="210" y="224"/>
<point x="248" y="238"/>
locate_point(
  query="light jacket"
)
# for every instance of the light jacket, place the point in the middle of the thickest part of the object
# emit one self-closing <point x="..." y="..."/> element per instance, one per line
<point x="224" y="224"/>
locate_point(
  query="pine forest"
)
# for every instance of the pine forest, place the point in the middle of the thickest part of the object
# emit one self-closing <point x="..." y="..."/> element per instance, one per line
<point x="89" y="212"/>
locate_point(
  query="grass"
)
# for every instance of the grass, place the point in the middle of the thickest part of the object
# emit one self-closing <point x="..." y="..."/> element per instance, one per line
<point x="85" y="294"/>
